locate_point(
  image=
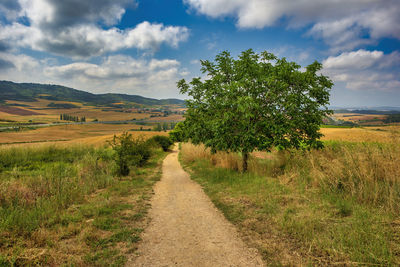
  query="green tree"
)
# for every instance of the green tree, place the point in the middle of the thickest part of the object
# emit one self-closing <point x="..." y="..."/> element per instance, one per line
<point x="157" y="127"/>
<point x="177" y="134"/>
<point x="165" y="126"/>
<point x="163" y="141"/>
<point x="256" y="102"/>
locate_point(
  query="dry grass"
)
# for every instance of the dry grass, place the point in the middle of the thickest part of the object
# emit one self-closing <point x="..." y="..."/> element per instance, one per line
<point x="388" y="134"/>
<point x="271" y="161"/>
<point x="191" y="153"/>
<point x="366" y="172"/>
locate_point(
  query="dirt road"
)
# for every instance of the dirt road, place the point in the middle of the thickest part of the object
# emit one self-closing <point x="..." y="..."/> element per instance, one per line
<point x="186" y="229"/>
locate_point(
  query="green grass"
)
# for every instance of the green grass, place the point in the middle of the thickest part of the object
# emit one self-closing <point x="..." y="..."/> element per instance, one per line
<point x="65" y="206"/>
<point x="287" y="212"/>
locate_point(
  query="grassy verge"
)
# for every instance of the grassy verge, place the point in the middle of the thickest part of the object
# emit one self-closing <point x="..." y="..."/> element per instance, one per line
<point x="64" y="206"/>
<point x="337" y="206"/>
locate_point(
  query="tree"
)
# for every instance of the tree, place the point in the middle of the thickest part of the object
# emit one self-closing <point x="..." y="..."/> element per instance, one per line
<point x="157" y="127"/>
<point x="177" y="134"/>
<point x="256" y="102"/>
<point x="165" y="126"/>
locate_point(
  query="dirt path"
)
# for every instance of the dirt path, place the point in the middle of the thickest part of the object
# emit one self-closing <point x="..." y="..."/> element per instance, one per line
<point x="186" y="229"/>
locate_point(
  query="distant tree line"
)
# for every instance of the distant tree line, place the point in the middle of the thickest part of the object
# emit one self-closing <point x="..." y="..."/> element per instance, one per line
<point x="164" y="127"/>
<point x="67" y="117"/>
<point x="392" y="118"/>
<point x="62" y="105"/>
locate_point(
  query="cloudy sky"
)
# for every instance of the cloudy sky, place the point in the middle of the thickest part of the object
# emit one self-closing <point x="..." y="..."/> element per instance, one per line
<point x="144" y="46"/>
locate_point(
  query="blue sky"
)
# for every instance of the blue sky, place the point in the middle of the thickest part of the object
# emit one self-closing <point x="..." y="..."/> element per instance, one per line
<point x="144" y="47"/>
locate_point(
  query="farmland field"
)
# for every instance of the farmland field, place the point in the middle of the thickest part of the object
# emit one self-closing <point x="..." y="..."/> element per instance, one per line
<point x="39" y="111"/>
<point x="72" y="133"/>
<point x="385" y="134"/>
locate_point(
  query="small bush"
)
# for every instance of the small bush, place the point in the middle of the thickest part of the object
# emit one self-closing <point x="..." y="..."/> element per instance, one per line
<point x="163" y="141"/>
<point x="129" y="151"/>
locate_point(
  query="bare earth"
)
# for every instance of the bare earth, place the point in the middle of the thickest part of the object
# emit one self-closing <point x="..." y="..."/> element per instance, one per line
<point x="186" y="229"/>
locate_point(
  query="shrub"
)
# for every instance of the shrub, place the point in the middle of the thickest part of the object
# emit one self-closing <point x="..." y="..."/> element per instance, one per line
<point x="163" y="141"/>
<point x="177" y="134"/>
<point x="129" y="151"/>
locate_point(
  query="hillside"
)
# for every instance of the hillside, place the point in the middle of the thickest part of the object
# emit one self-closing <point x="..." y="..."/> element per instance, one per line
<point x="31" y="91"/>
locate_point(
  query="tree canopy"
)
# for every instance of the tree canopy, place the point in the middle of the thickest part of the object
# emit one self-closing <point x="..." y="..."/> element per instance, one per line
<point x="256" y="102"/>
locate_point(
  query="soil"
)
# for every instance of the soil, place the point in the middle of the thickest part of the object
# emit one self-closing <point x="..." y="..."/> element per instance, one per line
<point x="186" y="229"/>
<point x="17" y="111"/>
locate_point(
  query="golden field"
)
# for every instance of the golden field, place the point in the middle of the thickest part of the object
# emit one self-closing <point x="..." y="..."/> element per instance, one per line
<point x="376" y="119"/>
<point x="85" y="133"/>
<point x="387" y="134"/>
<point x="48" y="115"/>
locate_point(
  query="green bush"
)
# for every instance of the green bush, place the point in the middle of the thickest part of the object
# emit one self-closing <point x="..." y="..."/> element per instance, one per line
<point x="163" y="141"/>
<point x="178" y="133"/>
<point x="129" y="151"/>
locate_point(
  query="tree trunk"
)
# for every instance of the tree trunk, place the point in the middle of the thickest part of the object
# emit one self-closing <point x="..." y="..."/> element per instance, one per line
<point x="245" y="156"/>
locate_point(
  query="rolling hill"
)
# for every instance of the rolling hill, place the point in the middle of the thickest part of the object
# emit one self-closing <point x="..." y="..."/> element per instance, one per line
<point x="31" y="91"/>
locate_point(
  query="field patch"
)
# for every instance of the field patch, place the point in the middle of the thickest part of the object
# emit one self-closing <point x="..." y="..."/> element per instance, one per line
<point x="17" y="111"/>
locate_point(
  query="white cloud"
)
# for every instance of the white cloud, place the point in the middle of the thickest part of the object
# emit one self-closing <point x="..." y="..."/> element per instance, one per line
<point x="365" y="70"/>
<point x="72" y="28"/>
<point x="117" y="73"/>
<point x="343" y="24"/>
<point x="90" y="40"/>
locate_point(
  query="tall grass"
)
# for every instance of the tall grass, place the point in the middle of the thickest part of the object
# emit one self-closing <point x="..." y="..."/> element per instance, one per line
<point x="339" y="205"/>
<point x="366" y="172"/>
<point x="38" y="183"/>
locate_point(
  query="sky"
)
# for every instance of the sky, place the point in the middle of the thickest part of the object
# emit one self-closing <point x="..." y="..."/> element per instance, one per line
<point x="144" y="47"/>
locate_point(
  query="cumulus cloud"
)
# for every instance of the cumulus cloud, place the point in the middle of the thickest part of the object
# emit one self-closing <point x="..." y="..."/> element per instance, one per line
<point x="122" y="74"/>
<point x="344" y="24"/>
<point x="74" y="28"/>
<point x="365" y="70"/>
<point x="55" y="15"/>
<point x="10" y="9"/>
<point x="116" y="73"/>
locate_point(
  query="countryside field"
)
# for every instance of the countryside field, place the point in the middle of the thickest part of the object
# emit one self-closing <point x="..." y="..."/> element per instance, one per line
<point x="63" y="204"/>
<point x="39" y="112"/>
<point x="319" y="207"/>
<point x="199" y="133"/>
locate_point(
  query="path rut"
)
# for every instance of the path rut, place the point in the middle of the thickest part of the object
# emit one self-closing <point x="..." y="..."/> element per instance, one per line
<point x="186" y="229"/>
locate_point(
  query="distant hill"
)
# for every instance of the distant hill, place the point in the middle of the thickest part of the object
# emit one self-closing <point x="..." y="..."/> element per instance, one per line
<point x="365" y="110"/>
<point x="30" y="91"/>
<point x="368" y="111"/>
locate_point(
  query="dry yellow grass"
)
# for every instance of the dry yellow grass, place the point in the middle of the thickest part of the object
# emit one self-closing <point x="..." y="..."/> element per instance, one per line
<point x="233" y="161"/>
<point x="368" y="172"/>
<point x="366" y="134"/>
